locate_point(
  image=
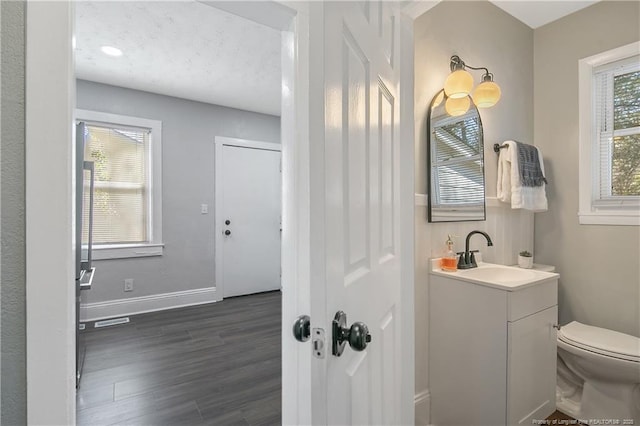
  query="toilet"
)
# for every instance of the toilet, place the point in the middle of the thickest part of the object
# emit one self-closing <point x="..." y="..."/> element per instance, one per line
<point x="598" y="373"/>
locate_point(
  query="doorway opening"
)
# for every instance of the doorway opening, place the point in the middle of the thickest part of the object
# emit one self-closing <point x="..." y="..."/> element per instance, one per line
<point x="181" y="107"/>
<point x="50" y="86"/>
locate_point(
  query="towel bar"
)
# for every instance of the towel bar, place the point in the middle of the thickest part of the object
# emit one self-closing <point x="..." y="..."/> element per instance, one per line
<point x="497" y="147"/>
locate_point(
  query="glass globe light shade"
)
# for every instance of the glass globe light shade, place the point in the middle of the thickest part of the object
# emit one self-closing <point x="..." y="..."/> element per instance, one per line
<point x="487" y="94"/>
<point x="457" y="106"/>
<point x="458" y="84"/>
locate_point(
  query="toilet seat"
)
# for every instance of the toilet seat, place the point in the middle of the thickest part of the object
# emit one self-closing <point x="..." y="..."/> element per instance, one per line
<point x="601" y="341"/>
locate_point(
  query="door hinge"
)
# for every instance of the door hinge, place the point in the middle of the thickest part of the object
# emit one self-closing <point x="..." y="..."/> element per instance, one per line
<point x="318" y="343"/>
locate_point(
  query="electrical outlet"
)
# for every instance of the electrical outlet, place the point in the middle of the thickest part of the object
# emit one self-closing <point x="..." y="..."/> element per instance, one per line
<point x="128" y="284"/>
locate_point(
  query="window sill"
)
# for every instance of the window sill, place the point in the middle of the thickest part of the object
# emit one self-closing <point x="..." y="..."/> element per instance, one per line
<point x="125" y="251"/>
<point x="610" y="218"/>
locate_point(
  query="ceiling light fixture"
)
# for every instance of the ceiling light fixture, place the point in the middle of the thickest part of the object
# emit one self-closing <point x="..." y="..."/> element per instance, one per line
<point x="111" y="51"/>
<point x="459" y="84"/>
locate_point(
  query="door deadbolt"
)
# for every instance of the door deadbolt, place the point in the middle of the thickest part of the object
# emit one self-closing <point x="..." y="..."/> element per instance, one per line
<point x="302" y="328"/>
<point x="357" y="335"/>
<point x="227" y="222"/>
<point x="227" y="232"/>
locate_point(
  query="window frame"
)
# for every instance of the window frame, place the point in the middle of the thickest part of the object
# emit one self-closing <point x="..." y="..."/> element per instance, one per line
<point x="154" y="246"/>
<point x="593" y="210"/>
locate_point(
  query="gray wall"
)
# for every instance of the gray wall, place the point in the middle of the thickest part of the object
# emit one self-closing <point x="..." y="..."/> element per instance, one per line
<point x="188" y="131"/>
<point x="482" y="35"/>
<point x="598" y="265"/>
<point x="12" y="225"/>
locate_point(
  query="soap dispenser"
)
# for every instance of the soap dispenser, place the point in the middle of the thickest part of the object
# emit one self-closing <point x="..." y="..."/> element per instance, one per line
<point x="449" y="261"/>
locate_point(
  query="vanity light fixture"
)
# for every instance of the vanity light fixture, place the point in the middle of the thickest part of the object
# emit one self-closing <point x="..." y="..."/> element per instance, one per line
<point x="459" y="85"/>
<point x="457" y="106"/>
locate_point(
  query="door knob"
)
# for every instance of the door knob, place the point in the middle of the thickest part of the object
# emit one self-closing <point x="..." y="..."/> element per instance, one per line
<point x="227" y="222"/>
<point x="227" y="232"/>
<point x="302" y="328"/>
<point x="357" y="335"/>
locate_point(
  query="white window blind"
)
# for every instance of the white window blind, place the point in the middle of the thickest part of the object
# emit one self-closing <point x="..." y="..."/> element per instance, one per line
<point x="617" y="132"/>
<point x="121" y="198"/>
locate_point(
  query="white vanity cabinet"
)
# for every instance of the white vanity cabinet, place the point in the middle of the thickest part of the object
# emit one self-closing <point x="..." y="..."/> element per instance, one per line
<point x="492" y="350"/>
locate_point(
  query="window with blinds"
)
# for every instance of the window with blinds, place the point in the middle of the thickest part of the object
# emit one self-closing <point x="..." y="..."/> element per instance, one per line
<point x="121" y="190"/>
<point x="617" y="131"/>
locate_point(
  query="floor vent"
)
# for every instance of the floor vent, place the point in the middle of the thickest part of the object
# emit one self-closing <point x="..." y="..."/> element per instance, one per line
<point x="115" y="321"/>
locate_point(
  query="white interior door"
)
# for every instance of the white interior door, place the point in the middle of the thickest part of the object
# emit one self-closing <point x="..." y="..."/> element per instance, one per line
<point x="248" y="199"/>
<point x="361" y="210"/>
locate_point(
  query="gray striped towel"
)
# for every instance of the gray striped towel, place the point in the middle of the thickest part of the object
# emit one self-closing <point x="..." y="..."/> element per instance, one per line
<point x="529" y="166"/>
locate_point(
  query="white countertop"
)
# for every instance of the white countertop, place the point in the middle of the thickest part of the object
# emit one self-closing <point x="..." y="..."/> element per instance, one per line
<point x="509" y="278"/>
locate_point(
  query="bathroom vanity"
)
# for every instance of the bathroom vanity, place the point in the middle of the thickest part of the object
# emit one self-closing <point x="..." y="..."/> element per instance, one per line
<point x="492" y="345"/>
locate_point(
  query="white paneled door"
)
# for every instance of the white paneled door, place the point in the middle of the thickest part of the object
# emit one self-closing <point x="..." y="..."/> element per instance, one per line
<point x="361" y="210"/>
<point x="248" y="210"/>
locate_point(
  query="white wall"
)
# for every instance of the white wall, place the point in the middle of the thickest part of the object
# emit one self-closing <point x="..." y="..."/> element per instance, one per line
<point x="482" y="35"/>
<point x="188" y="135"/>
<point x="599" y="265"/>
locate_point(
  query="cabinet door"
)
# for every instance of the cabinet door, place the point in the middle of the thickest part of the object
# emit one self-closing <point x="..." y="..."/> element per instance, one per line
<point x="531" y="374"/>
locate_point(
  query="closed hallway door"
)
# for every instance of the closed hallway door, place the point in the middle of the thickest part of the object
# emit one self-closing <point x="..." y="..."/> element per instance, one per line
<point x="248" y="197"/>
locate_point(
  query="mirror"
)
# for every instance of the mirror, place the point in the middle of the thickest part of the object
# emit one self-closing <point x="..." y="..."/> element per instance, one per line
<point x="455" y="156"/>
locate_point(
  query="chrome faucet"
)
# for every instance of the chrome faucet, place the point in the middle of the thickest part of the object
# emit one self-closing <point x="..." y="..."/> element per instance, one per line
<point x="467" y="258"/>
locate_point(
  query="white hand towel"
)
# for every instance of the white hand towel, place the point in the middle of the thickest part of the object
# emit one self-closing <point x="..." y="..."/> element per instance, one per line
<point x="510" y="187"/>
<point x="504" y="171"/>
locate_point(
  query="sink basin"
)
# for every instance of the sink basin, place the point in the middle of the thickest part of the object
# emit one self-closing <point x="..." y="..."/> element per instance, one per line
<point x="500" y="275"/>
<point x="508" y="278"/>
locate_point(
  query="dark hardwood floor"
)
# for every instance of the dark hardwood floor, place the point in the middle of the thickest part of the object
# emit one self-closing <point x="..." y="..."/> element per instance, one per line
<point x="216" y="364"/>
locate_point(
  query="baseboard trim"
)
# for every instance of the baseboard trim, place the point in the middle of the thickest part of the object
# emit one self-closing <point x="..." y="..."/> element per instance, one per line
<point x="422" y="404"/>
<point x="139" y="305"/>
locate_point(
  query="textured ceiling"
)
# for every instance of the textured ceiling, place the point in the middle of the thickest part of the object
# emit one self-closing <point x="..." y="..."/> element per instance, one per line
<point x="183" y="49"/>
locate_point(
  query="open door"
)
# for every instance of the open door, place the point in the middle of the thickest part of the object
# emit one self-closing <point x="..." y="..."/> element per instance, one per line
<point x="356" y="196"/>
